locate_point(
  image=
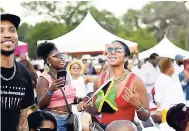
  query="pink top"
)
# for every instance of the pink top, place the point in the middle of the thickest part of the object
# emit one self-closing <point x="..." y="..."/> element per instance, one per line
<point x="57" y="97"/>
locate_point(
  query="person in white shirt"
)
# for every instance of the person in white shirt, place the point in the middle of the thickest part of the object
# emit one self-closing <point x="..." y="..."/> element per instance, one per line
<point x="136" y="69"/>
<point x="168" y="91"/>
<point x="79" y="81"/>
<point x="150" y="72"/>
<point x="75" y="70"/>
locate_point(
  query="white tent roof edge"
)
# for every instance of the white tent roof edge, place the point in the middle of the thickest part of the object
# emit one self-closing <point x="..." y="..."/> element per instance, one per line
<point x="165" y="48"/>
<point x="98" y="44"/>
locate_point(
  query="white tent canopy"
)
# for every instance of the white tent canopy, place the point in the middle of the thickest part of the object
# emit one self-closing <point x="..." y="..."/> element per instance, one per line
<point x="88" y="36"/>
<point x="164" y="49"/>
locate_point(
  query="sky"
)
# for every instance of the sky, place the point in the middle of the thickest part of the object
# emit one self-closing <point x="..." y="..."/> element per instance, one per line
<point x="118" y="7"/>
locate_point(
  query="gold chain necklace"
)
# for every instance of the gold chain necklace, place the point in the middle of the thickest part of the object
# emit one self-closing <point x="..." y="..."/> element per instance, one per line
<point x="120" y="78"/>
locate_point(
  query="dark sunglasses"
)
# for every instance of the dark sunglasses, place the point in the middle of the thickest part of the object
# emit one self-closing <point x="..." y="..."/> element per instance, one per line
<point x="45" y="129"/>
<point x="115" y="49"/>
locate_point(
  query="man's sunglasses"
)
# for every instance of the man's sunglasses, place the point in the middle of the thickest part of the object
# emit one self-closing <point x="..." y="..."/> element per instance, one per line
<point x="45" y="129"/>
<point x="115" y="49"/>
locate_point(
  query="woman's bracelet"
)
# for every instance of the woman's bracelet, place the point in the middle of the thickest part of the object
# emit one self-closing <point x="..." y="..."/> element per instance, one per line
<point x="49" y="92"/>
<point x="92" y="110"/>
<point x="141" y="109"/>
<point x="77" y="100"/>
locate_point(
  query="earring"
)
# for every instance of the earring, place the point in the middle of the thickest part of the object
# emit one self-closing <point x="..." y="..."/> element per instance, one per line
<point x="49" y="64"/>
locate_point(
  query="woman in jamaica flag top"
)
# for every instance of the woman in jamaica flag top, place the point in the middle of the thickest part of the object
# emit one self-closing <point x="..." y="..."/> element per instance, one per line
<point x="124" y="95"/>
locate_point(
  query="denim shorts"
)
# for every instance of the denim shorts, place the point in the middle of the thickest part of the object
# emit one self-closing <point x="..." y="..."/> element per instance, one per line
<point x="60" y="120"/>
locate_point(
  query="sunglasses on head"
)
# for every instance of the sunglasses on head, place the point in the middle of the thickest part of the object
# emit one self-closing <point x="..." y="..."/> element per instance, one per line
<point x="45" y="129"/>
<point x="115" y="49"/>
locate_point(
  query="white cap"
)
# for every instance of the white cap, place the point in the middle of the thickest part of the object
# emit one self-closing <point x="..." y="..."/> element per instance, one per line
<point x="86" y="57"/>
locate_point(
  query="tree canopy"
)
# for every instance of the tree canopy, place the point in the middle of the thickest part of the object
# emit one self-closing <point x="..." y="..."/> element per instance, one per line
<point x="146" y="26"/>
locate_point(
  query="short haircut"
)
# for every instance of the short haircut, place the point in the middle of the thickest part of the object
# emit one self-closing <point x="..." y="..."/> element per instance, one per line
<point x="178" y="117"/>
<point x="126" y="48"/>
<point x="165" y="64"/>
<point x="121" y="125"/>
<point x="35" y="119"/>
<point x="153" y="56"/>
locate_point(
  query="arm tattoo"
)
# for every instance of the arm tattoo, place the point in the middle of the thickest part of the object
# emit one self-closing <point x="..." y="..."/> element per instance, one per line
<point x="23" y="122"/>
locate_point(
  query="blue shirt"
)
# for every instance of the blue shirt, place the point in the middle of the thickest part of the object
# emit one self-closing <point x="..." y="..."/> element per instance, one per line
<point x="185" y="87"/>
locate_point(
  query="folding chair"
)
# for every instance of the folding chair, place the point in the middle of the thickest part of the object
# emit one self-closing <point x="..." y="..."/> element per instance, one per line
<point x="153" y="128"/>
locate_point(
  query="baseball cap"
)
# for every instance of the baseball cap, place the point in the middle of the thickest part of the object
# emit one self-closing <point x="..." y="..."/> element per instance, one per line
<point x="177" y="57"/>
<point x="12" y="18"/>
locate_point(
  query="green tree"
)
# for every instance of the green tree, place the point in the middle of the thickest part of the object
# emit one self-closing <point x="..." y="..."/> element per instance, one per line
<point x="23" y="32"/>
<point x="132" y="30"/>
<point x="132" y="18"/>
<point x="144" y="38"/>
<point x="106" y="19"/>
<point x="44" y="7"/>
<point x="2" y="10"/>
<point x="167" y="17"/>
<point x="44" y="31"/>
<point x="72" y="14"/>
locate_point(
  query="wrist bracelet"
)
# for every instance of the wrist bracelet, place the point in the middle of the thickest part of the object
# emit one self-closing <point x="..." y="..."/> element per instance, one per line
<point x="141" y="109"/>
<point x="91" y="110"/>
<point x="49" y="92"/>
<point x="77" y="100"/>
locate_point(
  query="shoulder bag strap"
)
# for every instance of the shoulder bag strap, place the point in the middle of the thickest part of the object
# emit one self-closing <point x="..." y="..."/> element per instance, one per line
<point x="69" y="110"/>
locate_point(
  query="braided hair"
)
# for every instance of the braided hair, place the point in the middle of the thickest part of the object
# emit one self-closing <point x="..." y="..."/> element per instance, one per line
<point x="178" y="117"/>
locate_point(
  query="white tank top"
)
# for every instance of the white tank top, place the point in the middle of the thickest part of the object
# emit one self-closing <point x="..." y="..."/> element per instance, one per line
<point x="79" y="85"/>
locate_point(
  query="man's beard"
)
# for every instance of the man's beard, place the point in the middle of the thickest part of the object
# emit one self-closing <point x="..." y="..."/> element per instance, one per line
<point x="7" y="53"/>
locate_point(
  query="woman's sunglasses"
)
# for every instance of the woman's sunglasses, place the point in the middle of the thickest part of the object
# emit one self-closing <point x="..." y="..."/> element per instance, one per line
<point x="59" y="55"/>
<point x="115" y="49"/>
<point x="45" y="129"/>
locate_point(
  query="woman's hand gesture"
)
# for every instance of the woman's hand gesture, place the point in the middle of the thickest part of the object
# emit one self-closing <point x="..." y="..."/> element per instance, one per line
<point x="57" y="84"/>
<point x="132" y="97"/>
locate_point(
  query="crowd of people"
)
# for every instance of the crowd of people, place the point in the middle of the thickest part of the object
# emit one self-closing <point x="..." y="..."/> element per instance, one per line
<point x="33" y="99"/>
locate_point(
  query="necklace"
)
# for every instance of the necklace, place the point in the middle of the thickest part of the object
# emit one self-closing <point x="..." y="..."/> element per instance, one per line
<point x="120" y="78"/>
<point x="14" y="72"/>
